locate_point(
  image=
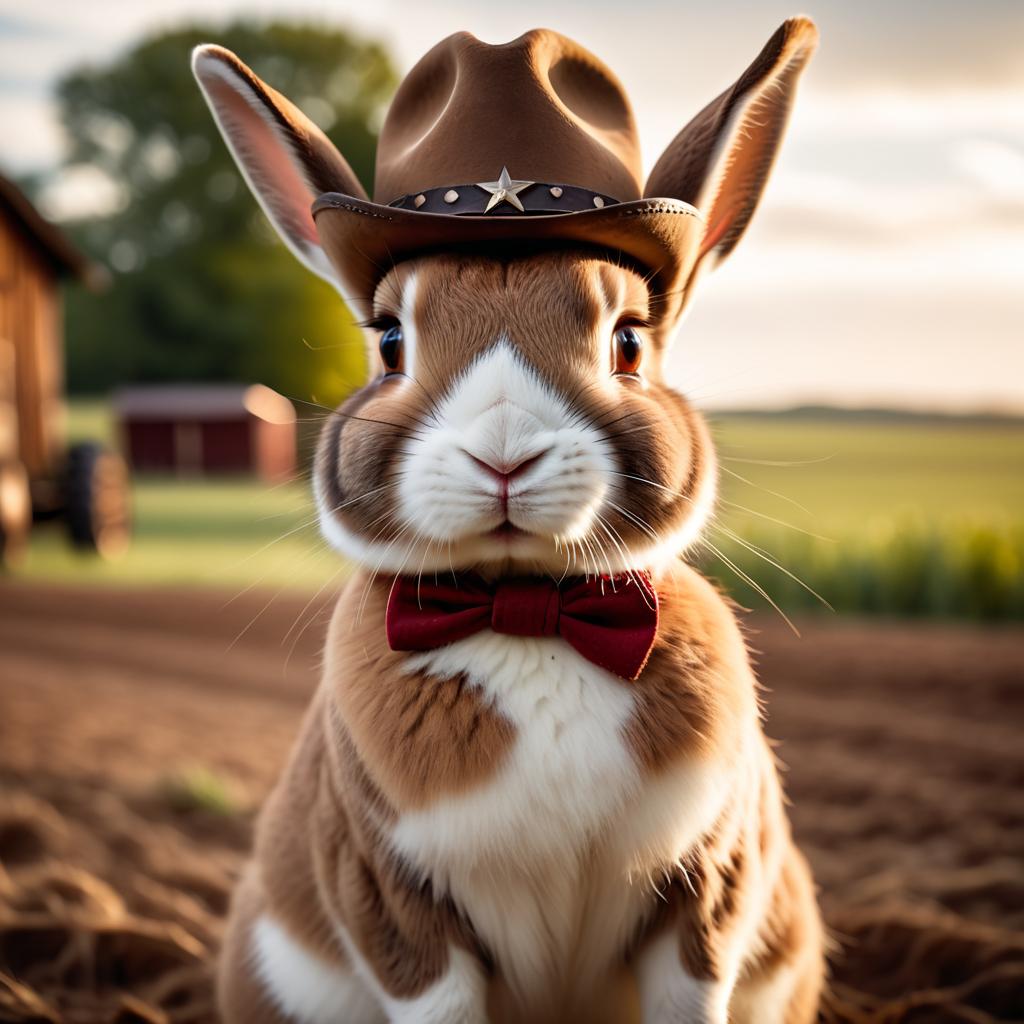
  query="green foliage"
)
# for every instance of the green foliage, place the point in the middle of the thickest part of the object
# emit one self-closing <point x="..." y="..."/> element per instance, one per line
<point x="967" y="570"/>
<point x="198" y="789"/>
<point x="203" y="290"/>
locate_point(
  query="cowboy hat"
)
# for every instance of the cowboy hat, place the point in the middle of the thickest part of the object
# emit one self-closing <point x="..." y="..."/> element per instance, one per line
<point x="504" y="148"/>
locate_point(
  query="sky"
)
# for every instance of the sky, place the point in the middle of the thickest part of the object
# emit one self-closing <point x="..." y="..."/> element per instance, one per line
<point x="885" y="265"/>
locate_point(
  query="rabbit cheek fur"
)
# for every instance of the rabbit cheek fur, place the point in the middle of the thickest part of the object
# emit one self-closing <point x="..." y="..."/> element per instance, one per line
<point x="498" y="829"/>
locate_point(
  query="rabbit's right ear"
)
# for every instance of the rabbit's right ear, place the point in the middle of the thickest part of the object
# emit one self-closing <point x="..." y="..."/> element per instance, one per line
<point x="285" y="159"/>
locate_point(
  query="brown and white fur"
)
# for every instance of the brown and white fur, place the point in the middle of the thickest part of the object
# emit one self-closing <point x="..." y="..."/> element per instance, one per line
<point x="498" y="830"/>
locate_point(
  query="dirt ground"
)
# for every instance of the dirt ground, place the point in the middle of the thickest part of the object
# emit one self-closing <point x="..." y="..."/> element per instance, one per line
<point x="140" y="730"/>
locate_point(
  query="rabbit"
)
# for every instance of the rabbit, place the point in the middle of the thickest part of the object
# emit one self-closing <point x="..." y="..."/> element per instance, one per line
<point x="516" y="824"/>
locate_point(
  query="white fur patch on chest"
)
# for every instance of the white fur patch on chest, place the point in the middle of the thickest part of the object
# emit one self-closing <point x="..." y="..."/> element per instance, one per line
<point x="550" y="859"/>
<point x="569" y="770"/>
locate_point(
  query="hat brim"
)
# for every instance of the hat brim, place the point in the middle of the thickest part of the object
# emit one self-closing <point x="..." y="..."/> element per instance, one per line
<point x="363" y="240"/>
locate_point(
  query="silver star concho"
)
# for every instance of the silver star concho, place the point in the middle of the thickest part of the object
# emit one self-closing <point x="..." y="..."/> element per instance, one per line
<point x="504" y="190"/>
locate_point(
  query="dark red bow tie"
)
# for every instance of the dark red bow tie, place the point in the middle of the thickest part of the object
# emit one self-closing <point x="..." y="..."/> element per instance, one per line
<point x="611" y="621"/>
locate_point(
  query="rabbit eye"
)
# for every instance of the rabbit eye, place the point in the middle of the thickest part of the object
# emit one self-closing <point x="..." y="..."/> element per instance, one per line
<point x="628" y="350"/>
<point x="392" y="348"/>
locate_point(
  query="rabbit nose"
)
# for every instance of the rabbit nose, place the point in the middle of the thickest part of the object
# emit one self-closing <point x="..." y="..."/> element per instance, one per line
<point x="506" y="472"/>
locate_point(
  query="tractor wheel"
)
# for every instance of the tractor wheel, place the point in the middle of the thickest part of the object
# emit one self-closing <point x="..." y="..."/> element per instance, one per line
<point x="15" y="513"/>
<point x="97" y="503"/>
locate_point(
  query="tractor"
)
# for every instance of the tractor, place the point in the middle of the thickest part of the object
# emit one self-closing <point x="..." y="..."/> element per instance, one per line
<point x="42" y="477"/>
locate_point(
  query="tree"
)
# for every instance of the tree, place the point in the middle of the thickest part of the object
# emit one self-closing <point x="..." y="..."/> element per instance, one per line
<point x="202" y="288"/>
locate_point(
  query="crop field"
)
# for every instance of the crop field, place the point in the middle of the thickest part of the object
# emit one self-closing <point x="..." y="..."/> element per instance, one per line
<point x="895" y="516"/>
<point x="898" y="516"/>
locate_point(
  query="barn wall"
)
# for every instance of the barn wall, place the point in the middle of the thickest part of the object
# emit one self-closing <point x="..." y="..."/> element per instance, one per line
<point x="274" y="455"/>
<point x="30" y="323"/>
<point x="150" y="445"/>
<point x="8" y="402"/>
<point x="8" y="406"/>
<point x="190" y="447"/>
<point x="226" y="446"/>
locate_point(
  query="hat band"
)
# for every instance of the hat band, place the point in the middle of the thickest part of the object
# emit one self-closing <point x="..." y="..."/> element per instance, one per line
<point x="491" y="200"/>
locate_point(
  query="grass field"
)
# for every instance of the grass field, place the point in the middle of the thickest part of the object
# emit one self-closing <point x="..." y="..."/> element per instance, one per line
<point x="892" y="516"/>
<point x="229" y="533"/>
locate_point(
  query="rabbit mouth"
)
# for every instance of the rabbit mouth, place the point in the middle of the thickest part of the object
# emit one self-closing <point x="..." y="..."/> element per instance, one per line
<point x="507" y="531"/>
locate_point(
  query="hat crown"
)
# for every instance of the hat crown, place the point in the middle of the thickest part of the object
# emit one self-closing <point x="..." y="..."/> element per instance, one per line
<point x="541" y="105"/>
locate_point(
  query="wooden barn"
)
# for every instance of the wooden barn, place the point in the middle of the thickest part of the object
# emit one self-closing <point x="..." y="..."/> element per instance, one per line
<point x="39" y="476"/>
<point x="208" y="430"/>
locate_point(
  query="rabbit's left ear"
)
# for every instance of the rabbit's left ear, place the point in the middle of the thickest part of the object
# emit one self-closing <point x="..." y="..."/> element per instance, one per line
<point x="721" y="160"/>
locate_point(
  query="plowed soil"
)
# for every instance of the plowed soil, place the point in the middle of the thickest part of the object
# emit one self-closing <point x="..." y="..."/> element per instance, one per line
<point x="139" y="730"/>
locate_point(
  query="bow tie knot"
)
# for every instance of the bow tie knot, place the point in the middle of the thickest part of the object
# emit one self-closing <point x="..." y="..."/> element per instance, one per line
<point x="611" y="621"/>
<point x="526" y="607"/>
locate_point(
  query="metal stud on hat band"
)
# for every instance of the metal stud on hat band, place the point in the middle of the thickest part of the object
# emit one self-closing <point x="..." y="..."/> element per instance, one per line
<point x="505" y="196"/>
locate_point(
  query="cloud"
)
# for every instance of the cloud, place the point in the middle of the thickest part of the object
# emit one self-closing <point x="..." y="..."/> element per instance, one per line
<point x="898" y="217"/>
<point x="32" y="136"/>
<point x="853" y="343"/>
<point x="80" y="191"/>
<point x="995" y="166"/>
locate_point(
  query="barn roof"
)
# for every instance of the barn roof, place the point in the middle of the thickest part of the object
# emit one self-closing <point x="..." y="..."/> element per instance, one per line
<point x="203" y="402"/>
<point x="55" y="246"/>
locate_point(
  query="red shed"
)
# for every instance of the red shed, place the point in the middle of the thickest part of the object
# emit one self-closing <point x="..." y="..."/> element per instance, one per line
<point x="208" y="430"/>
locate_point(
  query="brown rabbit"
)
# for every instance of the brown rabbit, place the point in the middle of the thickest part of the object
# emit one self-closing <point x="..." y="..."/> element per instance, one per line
<point x="533" y="784"/>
